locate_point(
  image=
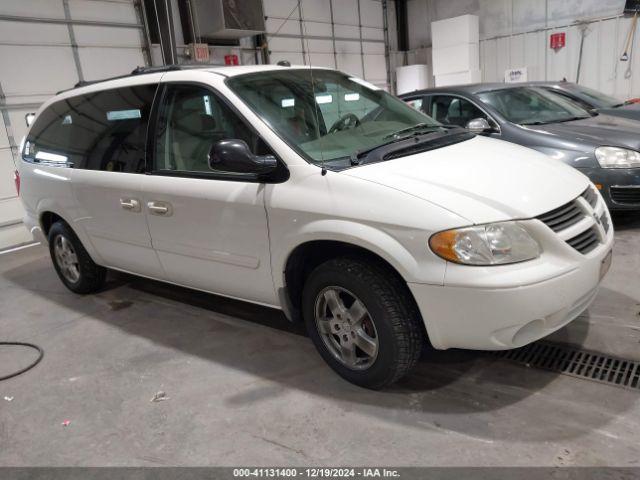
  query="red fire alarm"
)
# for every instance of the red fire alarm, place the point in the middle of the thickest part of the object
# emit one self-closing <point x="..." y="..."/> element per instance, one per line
<point x="557" y="40"/>
<point x="231" y="60"/>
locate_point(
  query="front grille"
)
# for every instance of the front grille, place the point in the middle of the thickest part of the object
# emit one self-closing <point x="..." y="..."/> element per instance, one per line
<point x="585" y="241"/>
<point x="577" y="363"/>
<point x="628" y="195"/>
<point x="591" y="196"/>
<point x="562" y="217"/>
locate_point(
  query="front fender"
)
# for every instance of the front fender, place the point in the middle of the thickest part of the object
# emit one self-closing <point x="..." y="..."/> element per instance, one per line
<point x="373" y="239"/>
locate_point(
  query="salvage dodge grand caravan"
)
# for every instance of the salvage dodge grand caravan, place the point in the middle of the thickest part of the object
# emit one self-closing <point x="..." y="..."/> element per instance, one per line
<point x="319" y="194"/>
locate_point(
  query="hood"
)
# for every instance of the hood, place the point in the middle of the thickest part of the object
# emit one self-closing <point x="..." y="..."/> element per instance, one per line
<point x="482" y="179"/>
<point x="631" y="111"/>
<point x="595" y="131"/>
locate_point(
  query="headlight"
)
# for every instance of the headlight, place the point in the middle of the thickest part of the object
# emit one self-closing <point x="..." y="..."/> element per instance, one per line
<point x="616" y="157"/>
<point x="492" y="244"/>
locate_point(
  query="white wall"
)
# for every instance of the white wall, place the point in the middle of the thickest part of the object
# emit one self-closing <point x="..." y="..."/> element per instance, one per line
<point x="515" y="33"/>
<point x="39" y="58"/>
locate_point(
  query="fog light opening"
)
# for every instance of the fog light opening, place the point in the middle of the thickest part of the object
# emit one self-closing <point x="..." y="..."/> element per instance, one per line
<point x="530" y="332"/>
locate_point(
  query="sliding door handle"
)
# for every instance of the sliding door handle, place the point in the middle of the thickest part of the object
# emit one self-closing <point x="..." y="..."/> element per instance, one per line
<point x="160" y="208"/>
<point x="130" y="204"/>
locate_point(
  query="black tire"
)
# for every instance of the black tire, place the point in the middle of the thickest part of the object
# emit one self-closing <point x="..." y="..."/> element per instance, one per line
<point x="390" y="307"/>
<point x="91" y="277"/>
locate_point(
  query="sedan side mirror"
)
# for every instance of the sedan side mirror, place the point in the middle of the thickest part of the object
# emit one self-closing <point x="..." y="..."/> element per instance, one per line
<point x="234" y="156"/>
<point x="478" y="125"/>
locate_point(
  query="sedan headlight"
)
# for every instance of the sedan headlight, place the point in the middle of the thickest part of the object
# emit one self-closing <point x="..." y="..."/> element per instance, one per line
<point x="492" y="244"/>
<point x="616" y="157"/>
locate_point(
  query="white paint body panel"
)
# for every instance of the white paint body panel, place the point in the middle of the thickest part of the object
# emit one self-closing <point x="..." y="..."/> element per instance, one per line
<point x="234" y="238"/>
<point x="216" y="238"/>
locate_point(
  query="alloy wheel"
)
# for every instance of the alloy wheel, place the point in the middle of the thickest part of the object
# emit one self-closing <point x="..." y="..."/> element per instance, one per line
<point x="346" y="328"/>
<point x="66" y="259"/>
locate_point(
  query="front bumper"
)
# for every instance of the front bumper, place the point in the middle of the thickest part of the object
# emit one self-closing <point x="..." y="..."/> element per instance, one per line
<point x="498" y="308"/>
<point x="614" y="182"/>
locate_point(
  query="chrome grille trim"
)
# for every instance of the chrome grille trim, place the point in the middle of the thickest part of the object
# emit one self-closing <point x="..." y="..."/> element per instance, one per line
<point x="604" y="220"/>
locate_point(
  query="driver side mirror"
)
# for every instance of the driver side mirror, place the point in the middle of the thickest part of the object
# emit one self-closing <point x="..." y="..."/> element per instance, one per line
<point x="478" y="126"/>
<point x="234" y="156"/>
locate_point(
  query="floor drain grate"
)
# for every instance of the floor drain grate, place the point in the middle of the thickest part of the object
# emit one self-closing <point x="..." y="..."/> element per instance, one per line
<point x="577" y="363"/>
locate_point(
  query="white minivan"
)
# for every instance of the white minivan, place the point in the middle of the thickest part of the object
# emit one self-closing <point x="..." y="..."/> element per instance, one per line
<point x="314" y="192"/>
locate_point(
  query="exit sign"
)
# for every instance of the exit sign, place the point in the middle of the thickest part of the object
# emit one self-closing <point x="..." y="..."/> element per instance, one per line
<point x="557" y="40"/>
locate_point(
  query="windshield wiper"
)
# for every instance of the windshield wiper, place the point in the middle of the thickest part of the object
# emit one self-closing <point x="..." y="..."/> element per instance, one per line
<point x="547" y="122"/>
<point x="415" y="129"/>
<point x="424" y="136"/>
<point x="570" y="119"/>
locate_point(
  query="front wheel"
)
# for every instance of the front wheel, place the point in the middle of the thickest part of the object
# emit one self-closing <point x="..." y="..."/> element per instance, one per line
<point x="363" y="321"/>
<point x="72" y="262"/>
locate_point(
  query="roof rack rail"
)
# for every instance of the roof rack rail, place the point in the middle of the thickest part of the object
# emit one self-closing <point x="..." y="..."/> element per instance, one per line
<point x="162" y="68"/>
<point x="135" y="71"/>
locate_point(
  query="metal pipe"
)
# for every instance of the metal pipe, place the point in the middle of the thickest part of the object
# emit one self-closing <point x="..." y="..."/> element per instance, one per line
<point x="319" y="37"/>
<point x="387" y="59"/>
<point x="361" y="45"/>
<point x="64" y="44"/>
<point x="333" y="35"/>
<point x="62" y="21"/>
<point x="72" y="40"/>
<point x="142" y="13"/>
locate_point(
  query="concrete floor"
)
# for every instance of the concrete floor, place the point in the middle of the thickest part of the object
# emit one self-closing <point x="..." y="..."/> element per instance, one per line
<point x="245" y="387"/>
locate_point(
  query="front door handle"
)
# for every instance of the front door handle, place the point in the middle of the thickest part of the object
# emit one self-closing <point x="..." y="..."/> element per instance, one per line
<point x="130" y="204"/>
<point x="160" y="208"/>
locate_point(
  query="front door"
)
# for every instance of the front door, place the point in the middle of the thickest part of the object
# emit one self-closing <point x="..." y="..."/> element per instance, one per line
<point x="209" y="232"/>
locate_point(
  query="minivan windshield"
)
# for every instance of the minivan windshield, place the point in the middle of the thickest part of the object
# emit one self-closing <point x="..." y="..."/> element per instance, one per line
<point x="533" y="106"/>
<point x="326" y="115"/>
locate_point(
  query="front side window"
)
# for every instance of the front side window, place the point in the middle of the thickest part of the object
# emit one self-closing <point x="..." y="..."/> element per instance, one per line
<point x="323" y="114"/>
<point x="451" y="110"/>
<point x="417" y="103"/>
<point x="532" y="106"/>
<point x="104" y="130"/>
<point x="192" y="119"/>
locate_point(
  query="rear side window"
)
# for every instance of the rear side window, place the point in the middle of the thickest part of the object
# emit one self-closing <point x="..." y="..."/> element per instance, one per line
<point x="103" y="130"/>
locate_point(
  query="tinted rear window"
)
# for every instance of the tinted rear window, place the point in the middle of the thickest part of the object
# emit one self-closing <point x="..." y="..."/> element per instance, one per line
<point x="103" y="130"/>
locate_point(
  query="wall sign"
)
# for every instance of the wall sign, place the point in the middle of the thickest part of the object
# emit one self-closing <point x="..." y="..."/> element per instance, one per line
<point x="231" y="60"/>
<point x="557" y="40"/>
<point x="515" y="75"/>
<point x="201" y="52"/>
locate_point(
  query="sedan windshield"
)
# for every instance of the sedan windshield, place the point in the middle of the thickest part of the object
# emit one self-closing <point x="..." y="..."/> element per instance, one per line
<point x="326" y="115"/>
<point x="598" y="99"/>
<point x="533" y="106"/>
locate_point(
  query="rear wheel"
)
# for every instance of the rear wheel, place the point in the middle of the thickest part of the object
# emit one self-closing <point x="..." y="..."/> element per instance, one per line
<point x="74" y="266"/>
<point x="363" y="321"/>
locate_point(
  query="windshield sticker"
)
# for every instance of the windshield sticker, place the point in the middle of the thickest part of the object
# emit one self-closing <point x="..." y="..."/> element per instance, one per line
<point x="322" y="99"/>
<point x="351" y="97"/>
<point x="123" y="115"/>
<point x="288" y="102"/>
